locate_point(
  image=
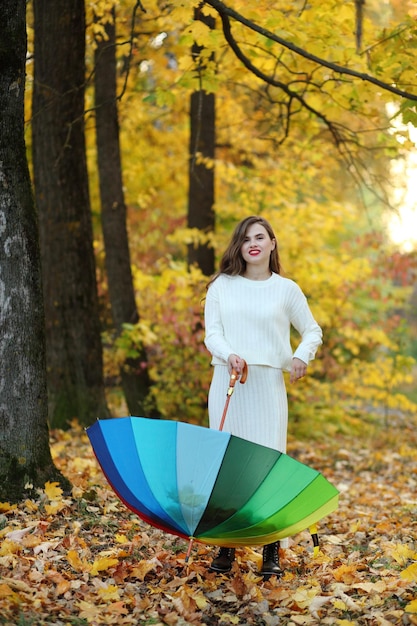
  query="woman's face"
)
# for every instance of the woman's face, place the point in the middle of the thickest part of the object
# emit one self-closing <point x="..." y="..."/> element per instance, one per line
<point x="257" y="245"/>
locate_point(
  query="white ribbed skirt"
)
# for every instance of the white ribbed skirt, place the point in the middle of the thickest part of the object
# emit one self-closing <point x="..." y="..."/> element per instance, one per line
<point x="258" y="409"/>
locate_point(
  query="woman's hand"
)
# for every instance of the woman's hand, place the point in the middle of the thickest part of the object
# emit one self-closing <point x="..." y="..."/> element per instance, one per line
<point x="234" y="362"/>
<point x="298" y="370"/>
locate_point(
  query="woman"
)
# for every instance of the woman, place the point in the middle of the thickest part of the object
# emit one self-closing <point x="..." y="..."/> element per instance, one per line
<point x="249" y="310"/>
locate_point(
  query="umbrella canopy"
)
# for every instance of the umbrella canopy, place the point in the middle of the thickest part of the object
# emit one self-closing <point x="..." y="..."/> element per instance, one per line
<point x="208" y="485"/>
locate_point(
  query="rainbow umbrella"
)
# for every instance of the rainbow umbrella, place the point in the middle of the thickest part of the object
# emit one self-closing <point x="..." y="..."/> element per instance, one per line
<point x="208" y="485"/>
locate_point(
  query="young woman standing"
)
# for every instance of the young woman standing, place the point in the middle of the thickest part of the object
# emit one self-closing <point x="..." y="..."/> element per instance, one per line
<point x="249" y="311"/>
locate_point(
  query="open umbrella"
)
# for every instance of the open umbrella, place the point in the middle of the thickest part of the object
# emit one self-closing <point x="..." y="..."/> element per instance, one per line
<point x="208" y="485"/>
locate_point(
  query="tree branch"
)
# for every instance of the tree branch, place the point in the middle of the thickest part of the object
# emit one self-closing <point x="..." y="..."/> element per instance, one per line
<point x="225" y="11"/>
<point x="342" y="137"/>
<point x="292" y="95"/>
<point x="138" y="5"/>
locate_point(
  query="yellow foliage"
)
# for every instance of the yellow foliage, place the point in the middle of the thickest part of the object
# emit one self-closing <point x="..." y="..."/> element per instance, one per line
<point x="410" y="573"/>
<point x="305" y="594"/>
<point x="102" y="564"/>
<point x="109" y="593"/>
<point x="228" y="618"/>
<point x="327" y="244"/>
<point x="55" y="507"/>
<point x="7" y="592"/>
<point x="411" y="607"/>
<point x="9" y="547"/>
<point x="53" y="491"/>
<point x="76" y="562"/>
<point x="402" y="553"/>
<point x="6" y="506"/>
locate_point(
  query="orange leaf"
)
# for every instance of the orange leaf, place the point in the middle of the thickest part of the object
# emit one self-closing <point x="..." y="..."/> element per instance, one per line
<point x="118" y="608"/>
<point x="143" y="568"/>
<point x="7" y="592"/>
<point x="63" y="587"/>
<point x="346" y="573"/>
<point x="75" y="562"/>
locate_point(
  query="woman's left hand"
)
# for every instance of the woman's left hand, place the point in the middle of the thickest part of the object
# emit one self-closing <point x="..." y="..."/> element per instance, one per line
<point x="298" y="370"/>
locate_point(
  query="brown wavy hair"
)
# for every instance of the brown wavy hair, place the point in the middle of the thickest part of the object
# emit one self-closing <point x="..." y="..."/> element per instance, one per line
<point x="232" y="262"/>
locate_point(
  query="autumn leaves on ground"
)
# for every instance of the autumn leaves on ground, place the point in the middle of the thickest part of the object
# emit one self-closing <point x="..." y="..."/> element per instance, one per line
<point x="86" y="559"/>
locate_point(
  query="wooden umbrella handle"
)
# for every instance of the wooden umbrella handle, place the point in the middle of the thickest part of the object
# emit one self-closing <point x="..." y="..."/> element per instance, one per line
<point x="233" y="378"/>
<point x="244" y="373"/>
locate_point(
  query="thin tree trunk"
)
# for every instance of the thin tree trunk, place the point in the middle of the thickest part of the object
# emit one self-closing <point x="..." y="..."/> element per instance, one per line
<point x="74" y="351"/>
<point x="201" y="173"/>
<point x="24" y="442"/>
<point x="134" y="373"/>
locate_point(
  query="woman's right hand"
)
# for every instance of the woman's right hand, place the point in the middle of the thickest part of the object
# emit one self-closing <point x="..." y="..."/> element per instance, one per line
<point x="234" y="362"/>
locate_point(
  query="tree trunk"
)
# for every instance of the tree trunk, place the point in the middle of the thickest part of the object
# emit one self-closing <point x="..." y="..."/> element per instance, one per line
<point x="134" y="373"/>
<point x="74" y="351"/>
<point x="24" y="442"/>
<point x="201" y="173"/>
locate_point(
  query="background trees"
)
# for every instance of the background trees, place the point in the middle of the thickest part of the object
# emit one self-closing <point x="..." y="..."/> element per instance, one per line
<point x="74" y="352"/>
<point x="308" y="145"/>
<point x="133" y="372"/>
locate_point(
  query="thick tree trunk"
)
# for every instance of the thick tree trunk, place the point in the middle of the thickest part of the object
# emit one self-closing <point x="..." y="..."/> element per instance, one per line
<point x="74" y="351"/>
<point x="134" y="374"/>
<point x="24" y="443"/>
<point x="201" y="172"/>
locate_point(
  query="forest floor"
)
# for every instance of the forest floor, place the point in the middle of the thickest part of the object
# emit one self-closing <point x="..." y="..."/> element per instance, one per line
<point x="87" y="560"/>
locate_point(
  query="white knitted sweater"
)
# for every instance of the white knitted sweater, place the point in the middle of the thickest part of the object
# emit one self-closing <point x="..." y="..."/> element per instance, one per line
<point x="253" y="318"/>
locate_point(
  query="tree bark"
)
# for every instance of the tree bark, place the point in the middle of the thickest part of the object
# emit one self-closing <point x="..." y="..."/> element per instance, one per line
<point x="25" y="457"/>
<point x="134" y="373"/>
<point x="74" y="350"/>
<point x="201" y="172"/>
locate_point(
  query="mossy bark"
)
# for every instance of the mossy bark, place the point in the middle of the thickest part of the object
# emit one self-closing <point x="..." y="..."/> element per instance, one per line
<point x="25" y="457"/>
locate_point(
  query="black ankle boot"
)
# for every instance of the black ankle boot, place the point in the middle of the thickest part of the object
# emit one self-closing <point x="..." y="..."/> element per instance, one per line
<point x="270" y="561"/>
<point x="223" y="561"/>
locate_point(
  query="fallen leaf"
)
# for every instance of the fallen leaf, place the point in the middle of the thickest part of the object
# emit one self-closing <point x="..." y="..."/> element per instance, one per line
<point x="53" y="491"/>
<point x="411" y="607"/>
<point x="9" y="547"/>
<point x="7" y="592"/>
<point x="346" y="573"/>
<point x="75" y="561"/>
<point x="102" y="564"/>
<point x="110" y="592"/>
<point x="227" y="618"/>
<point x="410" y="573"/>
<point x="17" y="535"/>
<point x="5" y="507"/>
<point x="143" y="568"/>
